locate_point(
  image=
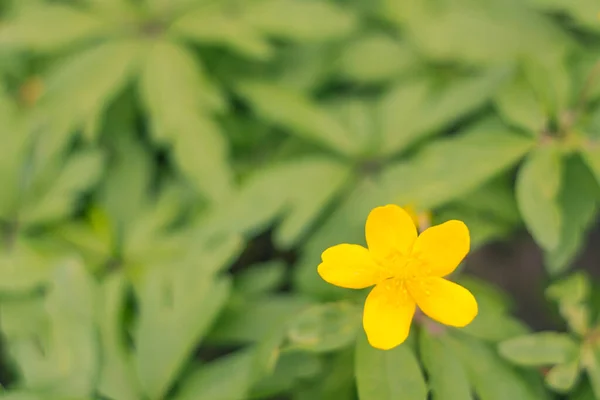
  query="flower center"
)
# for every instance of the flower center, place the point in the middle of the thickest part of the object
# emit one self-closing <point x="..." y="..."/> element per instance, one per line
<point x="404" y="267"/>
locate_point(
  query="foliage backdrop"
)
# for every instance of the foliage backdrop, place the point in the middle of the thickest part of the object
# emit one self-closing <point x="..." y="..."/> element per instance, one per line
<point x="146" y="144"/>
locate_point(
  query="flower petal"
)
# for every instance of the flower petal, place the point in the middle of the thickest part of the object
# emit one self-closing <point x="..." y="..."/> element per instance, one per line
<point x="350" y="266"/>
<point x="390" y="233"/>
<point x="443" y="301"/>
<point x="442" y="247"/>
<point x="389" y="310"/>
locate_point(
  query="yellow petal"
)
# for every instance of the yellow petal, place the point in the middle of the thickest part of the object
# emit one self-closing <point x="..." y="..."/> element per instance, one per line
<point x="443" y="301"/>
<point x="390" y="233"/>
<point x="441" y="248"/>
<point x="349" y="266"/>
<point x="389" y="310"/>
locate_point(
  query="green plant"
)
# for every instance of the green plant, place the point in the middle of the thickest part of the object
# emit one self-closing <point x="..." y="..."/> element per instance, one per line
<point x="172" y="170"/>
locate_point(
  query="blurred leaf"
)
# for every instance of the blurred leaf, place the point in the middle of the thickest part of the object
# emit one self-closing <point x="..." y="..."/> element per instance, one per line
<point x="180" y="99"/>
<point x="577" y="203"/>
<point x="486" y="370"/>
<point x="389" y="374"/>
<point x="302" y="21"/>
<point x="584" y="12"/>
<point x="81" y="171"/>
<point x="124" y="191"/>
<point x="212" y="24"/>
<point x="291" y="110"/>
<point x="117" y="378"/>
<point x="442" y="171"/>
<point x="290" y="367"/>
<point x="251" y="320"/>
<point x="288" y="190"/>
<point x="537" y="189"/>
<point x="474" y="32"/>
<point x="591" y="156"/>
<point x="562" y="377"/>
<point x="49" y="28"/>
<point x="518" y="104"/>
<point x="377" y="58"/>
<point x="226" y="378"/>
<point x="570" y="290"/>
<point x="81" y="86"/>
<point x="447" y="377"/>
<point x="542" y="348"/>
<point x="177" y="306"/>
<point x="260" y="278"/>
<point x="492" y="324"/>
<point x="414" y="110"/>
<point x="325" y="327"/>
<point x="590" y="360"/>
<point x="572" y="295"/>
<point x="336" y="381"/>
<point x="60" y="356"/>
<point x="23" y="267"/>
<point x="551" y="81"/>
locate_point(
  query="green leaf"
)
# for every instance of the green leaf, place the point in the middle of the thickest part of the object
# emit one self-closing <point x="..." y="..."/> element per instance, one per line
<point x="260" y="278"/>
<point x="226" y="378"/>
<point x="562" y="377"/>
<point x="301" y="21"/>
<point x="79" y="173"/>
<point x="377" y="58"/>
<point x="537" y="189"/>
<point x="442" y="171"/>
<point x="518" y="104"/>
<point x="486" y="370"/>
<point x="117" y="378"/>
<point x="477" y="33"/>
<point x="81" y="87"/>
<point x="447" y="377"/>
<point x="543" y="348"/>
<point x="590" y="360"/>
<point x="177" y="306"/>
<point x="325" y="327"/>
<point x="60" y="356"/>
<point x="337" y="381"/>
<point x="493" y="324"/>
<point x="577" y="201"/>
<point x="591" y="155"/>
<point x="180" y="100"/>
<point x="285" y="189"/>
<point x="389" y="374"/>
<point x="213" y="25"/>
<point x="291" y="367"/>
<point x="124" y="191"/>
<point x="23" y="267"/>
<point x="584" y="12"/>
<point x="570" y="290"/>
<point x="550" y="78"/>
<point x="414" y="110"/>
<point x="301" y="116"/>
<point x="251" y="320"/>
<point x="49" y="28"/>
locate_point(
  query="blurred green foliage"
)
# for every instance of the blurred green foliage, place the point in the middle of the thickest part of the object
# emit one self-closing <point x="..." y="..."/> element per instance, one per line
<point x="171" y="171"/>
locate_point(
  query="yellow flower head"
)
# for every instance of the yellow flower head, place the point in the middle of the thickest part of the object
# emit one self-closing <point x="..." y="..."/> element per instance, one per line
<point x="406" y="270"/>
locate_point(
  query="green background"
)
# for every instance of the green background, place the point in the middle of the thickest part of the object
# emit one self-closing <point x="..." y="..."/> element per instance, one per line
<point x="171" y="170"/>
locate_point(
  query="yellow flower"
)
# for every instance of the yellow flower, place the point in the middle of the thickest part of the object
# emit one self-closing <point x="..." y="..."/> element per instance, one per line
<point x="406" y="270"/>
